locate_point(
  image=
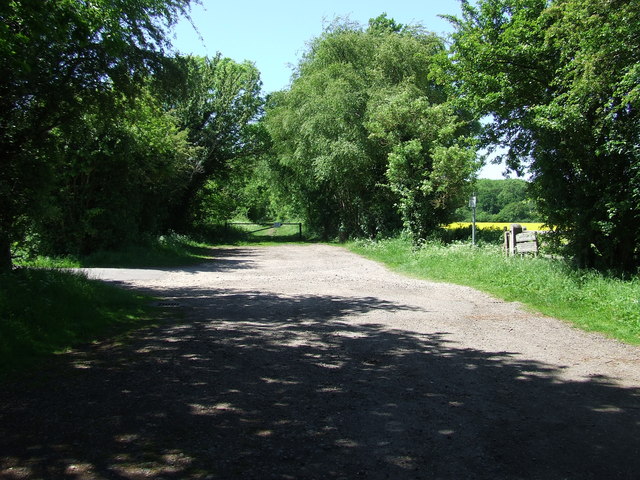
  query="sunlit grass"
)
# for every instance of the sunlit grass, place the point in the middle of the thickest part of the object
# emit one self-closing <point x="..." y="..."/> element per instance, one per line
<point x="588" y="299"/>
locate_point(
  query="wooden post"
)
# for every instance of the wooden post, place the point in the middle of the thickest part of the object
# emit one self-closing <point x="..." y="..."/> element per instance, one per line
<point x="527" y="242"/>
<point x="516" y="228"/>
<point x="505" y="243"/>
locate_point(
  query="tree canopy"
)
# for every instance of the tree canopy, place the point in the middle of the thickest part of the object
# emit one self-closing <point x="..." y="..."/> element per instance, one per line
<point x="367" y="137"/>
<point x="107" y="136"/>
<point x="58" y="60"/>
<point x="218" y="105"/>
<point x="560" y="82"/>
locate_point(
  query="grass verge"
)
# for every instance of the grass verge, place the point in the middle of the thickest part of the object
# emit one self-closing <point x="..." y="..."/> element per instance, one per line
<point x="164" y="251"/>
<point x="590" y="300"/>
<point x="171" y="250"/>
<point x="43" y="312"/>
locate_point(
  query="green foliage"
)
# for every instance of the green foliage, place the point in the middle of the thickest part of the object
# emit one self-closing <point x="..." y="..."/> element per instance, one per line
<point x="239" y="188"/>
<point x="590" y="300"/>
<point x="59" y="59"/>
<point x="117" y="179"/>
<point x="429" y="166"/>
<point x="48" y="311"/>
<point x="218" y="105"/>
<point x="163" y="251"/>
<point x="105" y="140"/>
<point x="505" y="200"/>
<point x="560" y="80"/>
<point x="244" y="232"/>
<point x="170" y="250"/>
<point x="366" y="126"/>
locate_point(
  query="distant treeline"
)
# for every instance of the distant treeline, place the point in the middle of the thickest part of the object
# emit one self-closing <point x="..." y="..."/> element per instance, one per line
<point x="501" y="201"/>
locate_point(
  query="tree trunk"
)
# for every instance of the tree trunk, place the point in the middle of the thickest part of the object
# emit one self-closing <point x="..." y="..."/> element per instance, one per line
<point x="5" y="254"/>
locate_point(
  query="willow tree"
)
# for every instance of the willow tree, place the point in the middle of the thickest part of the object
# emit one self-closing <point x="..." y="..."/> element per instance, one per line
<point x="367" y="137"/>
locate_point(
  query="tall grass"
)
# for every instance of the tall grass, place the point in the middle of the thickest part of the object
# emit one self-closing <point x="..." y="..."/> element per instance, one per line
<point x="590" y="300"/>
<point x="47" y="311"/>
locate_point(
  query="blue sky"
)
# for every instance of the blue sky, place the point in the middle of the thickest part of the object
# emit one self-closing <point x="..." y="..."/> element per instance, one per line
<point x="273" y="34"/>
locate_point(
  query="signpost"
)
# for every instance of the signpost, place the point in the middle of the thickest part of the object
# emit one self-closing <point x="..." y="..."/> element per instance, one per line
<point x="472" y="205"/>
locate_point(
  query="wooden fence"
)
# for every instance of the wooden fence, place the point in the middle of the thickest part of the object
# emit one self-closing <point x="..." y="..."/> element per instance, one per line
<point x="518" y="240"/>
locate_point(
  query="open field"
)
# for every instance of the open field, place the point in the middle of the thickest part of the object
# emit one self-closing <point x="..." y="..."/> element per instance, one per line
<point x="499" y="225"/>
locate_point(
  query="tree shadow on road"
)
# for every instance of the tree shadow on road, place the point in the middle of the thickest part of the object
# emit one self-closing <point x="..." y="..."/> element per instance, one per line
<point x="255" y="385"/>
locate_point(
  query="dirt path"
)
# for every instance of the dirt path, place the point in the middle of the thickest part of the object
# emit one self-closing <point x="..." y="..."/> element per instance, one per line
<point x="309" y="362"/>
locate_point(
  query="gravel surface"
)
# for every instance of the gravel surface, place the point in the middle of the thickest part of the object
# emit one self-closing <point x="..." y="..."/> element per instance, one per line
<point x="309" y="362"/>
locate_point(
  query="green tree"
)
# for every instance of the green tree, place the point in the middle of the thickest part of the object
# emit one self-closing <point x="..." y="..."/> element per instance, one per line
<point x="118" y="176"/>
<point x="219" y="106"/>
<point x="504" y="200"/>
<point x="560" y="81"/>
<point x="429" y="163"/>
<point x="57" y="58"/>
<point x="367" y="126"/>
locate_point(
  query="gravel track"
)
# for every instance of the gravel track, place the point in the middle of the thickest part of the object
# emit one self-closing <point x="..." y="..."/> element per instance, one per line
<point x="310" y="362"/>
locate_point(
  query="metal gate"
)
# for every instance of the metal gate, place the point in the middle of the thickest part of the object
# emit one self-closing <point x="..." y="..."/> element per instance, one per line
<point x="268" y="230"/>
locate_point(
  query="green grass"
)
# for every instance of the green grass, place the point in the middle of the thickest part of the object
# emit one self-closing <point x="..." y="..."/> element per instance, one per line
<point x="165" y="251"/>
<point x="43" y="312"/>
<point x="590" y="300"/>
<point x="261" y="234"/>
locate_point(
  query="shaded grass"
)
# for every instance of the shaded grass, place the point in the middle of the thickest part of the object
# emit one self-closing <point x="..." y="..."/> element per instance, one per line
<point x="43" y="312"/>
<point x="164" y="251"/>
<point x="588" y="299"/>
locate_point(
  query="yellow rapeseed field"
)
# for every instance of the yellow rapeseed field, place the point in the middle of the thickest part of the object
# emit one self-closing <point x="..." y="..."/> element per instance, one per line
<point x="496" y="225"/>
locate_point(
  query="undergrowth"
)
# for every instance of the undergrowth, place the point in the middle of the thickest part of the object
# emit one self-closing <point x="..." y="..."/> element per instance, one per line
<point x="591" y="300"/>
